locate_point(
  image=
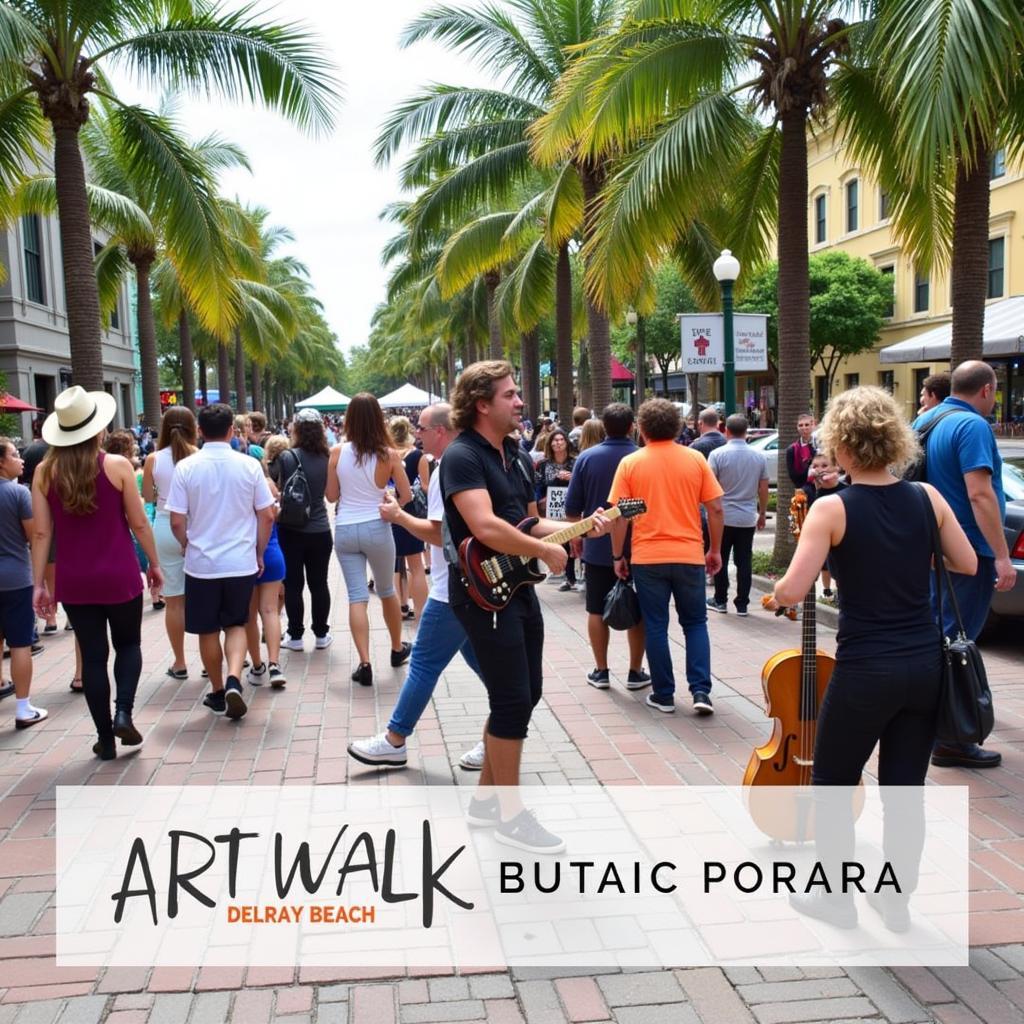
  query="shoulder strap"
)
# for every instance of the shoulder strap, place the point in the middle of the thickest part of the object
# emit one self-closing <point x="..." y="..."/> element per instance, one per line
<point x="943" y="584"/>
<point x="924" y="431"/>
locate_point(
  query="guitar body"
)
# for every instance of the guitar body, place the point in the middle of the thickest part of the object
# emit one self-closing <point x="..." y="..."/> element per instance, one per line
<point x="492" y="578"/>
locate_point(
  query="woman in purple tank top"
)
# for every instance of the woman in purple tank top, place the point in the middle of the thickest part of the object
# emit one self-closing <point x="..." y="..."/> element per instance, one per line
<point x="89" y="503"/>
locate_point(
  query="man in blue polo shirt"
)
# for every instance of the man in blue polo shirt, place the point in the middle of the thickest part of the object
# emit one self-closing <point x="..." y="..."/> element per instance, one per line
<point x="965" y="467"/>
<point x="589" y="487"/>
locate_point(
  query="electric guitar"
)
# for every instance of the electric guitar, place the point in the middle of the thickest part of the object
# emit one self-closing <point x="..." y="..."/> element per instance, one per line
<point x="492" y="577"/>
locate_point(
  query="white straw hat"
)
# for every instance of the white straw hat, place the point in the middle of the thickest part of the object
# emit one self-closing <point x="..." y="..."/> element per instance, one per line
<point x="77" y="416"/>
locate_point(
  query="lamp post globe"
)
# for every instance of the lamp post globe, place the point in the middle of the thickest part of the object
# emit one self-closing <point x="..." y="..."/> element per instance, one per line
<point x="726" y="269"/>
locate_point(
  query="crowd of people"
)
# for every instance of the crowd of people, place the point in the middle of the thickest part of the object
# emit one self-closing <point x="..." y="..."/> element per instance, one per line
<point x="227" y="522"/>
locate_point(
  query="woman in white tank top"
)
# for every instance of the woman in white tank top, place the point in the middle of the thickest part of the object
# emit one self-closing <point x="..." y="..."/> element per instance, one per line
<point x="177" y="441"/>
<point x="357" y="475"/>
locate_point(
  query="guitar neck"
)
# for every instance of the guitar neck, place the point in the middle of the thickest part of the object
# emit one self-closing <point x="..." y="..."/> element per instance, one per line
<point x="565" y="535"/>
<point x="809" y="660"/>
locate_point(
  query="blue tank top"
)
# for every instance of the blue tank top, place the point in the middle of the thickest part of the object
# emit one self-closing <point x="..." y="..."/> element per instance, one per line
<point x="883" y="569"/>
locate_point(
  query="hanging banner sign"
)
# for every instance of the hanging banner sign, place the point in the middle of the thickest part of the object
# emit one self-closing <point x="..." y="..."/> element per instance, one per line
<point x="703" y="342"/>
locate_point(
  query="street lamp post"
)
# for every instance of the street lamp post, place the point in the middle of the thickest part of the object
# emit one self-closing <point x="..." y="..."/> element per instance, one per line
<point x="640" y="377"/>
<point x="727" y="269"/>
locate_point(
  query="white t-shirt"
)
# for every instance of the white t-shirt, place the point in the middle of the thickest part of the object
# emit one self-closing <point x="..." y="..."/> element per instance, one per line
<point x="220" y="491"/>
<point x="438" y="565"/>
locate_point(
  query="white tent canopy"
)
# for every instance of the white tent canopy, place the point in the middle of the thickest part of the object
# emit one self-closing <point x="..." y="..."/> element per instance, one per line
<point x="328" y="399"/>
<point x="1003" y="335"/>
<point x="408" y="396"/>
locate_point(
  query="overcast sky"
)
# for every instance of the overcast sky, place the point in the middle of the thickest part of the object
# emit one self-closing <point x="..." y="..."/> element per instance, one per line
<point x="327" y="191"/>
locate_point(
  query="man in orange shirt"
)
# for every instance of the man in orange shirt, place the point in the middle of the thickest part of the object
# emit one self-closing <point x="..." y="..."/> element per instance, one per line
<point x="668" y="560"/>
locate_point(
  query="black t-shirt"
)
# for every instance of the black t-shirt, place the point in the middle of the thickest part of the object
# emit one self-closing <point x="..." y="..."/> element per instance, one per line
<point x="470" y="463"/>
<point x="32" y="456"/>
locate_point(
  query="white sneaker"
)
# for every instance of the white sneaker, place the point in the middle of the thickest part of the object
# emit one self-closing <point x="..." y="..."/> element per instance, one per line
<point x="378" y="751"/>
<point x="257" y="676"/>
<point x="473" y="760"/>
<point x="293" y="644"/>
<point x="324" y="641"/>
<point x="277" y="677"/>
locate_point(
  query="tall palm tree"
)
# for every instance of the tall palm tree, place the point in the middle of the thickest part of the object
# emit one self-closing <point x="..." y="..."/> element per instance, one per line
<point x="53" y="55"/>
<point x="671" y="98"/>
<point x="939" y="90"/>
<point x="475" y="147"/>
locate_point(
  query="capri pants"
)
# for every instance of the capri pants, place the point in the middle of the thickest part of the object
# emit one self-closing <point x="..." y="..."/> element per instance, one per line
<point x="357" y="544"/>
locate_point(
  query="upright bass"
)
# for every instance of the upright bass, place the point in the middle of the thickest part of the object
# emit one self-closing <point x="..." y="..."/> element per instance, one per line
<point x="794" y="683"/>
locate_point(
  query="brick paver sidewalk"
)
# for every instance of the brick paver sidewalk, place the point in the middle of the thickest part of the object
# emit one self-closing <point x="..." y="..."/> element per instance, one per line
<point x="578" y="735"/>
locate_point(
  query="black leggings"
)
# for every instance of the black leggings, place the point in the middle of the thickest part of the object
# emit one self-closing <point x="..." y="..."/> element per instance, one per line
<point x="895" y="704"/>
<point x="510" y="650"/>
<point x="307" y="557"/>
<point x="90" y="622"/>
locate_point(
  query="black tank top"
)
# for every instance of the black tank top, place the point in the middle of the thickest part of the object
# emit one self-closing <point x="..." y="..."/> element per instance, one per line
<point x="883" y="568"/>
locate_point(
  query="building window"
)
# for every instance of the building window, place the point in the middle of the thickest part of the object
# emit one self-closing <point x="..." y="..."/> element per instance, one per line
<point x="920" y="293"/>
<point x="34" y="290"/>
<point x="820" y="227"/>
<point x="996" y="262"/>
<point x="883" y="204"/>
<point x="852" y="380"/>
<point x="887" y="380"/>
<point x="890" y="272"/>
<point x="852" y="190"/>
<point x="997" y="168"/>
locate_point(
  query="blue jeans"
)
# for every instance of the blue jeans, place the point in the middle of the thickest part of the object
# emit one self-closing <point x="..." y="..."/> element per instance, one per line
<point x="439" y="638"/>
<point x="973" y="596"/>
<point x="656" y="586"/>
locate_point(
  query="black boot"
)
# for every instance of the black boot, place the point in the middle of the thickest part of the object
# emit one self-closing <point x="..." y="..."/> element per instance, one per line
<point x="125" y="730"/>
<point x="834" y="908"/>
<point x="105" y="748"/>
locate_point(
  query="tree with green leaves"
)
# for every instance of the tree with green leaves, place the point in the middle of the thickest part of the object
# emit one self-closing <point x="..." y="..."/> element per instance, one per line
<point x="849" y="300"/>
<point x="53" y="57"/>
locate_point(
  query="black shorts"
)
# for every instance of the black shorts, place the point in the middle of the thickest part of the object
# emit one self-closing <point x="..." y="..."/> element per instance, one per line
<point x="213" y="605"/>
<point x="599" y="580"/>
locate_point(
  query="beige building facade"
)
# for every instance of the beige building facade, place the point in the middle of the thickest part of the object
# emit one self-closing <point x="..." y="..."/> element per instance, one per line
<point x="849" y="212"/>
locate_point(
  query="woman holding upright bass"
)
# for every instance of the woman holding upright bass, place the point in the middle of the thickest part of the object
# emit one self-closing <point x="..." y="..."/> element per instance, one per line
<point x="886" y="683"/>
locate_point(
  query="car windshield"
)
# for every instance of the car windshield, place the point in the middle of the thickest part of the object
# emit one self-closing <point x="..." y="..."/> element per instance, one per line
<point x="1013" y="479"/>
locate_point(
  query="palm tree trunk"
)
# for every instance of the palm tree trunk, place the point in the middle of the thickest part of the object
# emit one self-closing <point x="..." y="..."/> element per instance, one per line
<point x="80" y="291"/>
<point x="529" y="355"/>
<point x="586" y="385"/>
<point x="202" y="382"/>
<point x="598" y="335"/>
<point x="257" y="387"/>
<point x="492" y="280"/>
<point x="223" y="373"/>
<point x="794" y="309"/>
<point x="969" y="266"/>
<point x="450" y="370"/>
<point x="693" y="389"/>
<point x="240" y="405"/>
<point x="188" y="363"/>
<point x="472" y="351"/>
<point x="640" y="381"/>
<point x="147" y="342"/>
<point x="563" y="332"/>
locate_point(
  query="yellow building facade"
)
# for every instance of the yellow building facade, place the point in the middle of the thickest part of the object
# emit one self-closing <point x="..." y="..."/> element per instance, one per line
<point x="848" y="212"/>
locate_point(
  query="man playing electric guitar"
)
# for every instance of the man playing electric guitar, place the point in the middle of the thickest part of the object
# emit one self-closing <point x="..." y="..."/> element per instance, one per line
<point x="488" y="487"/>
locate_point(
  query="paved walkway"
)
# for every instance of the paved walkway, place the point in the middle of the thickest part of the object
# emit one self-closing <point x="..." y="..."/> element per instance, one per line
<point x="578" y="735"/>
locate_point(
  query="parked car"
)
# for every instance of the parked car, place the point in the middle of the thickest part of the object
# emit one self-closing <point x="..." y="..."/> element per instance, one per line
<point x="1009" y="604"/>
<point x="768" y="446"/>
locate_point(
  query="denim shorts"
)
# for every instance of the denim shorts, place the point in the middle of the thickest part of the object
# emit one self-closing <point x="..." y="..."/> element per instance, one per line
<point x="359" y="544"/>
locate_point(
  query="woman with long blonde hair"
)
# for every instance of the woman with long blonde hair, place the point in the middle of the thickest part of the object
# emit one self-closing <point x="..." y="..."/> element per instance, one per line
<point x="176" y="441"/>
<point x="90" y="502"/>
<point x="357" y="477"/>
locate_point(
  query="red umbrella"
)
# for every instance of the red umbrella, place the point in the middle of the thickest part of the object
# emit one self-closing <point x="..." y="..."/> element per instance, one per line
<point x="11" y="404"/>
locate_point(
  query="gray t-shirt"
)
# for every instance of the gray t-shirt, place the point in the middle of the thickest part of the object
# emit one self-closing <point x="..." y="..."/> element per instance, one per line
<point x="315" y="467"/>
<point x="15" y="564"/>
<point x="739" y="469"/>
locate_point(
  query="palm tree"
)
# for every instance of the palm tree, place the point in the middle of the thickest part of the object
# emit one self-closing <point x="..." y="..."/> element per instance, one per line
<point x="939" y="90"/>
<point x="475" y="150"/>
<point x="53" y="55"/>
<point x="671" y="96"/>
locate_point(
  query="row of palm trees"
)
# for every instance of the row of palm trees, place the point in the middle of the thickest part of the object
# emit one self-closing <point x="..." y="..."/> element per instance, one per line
<point x="211" y="263"/>
<point x="619" y="134"/>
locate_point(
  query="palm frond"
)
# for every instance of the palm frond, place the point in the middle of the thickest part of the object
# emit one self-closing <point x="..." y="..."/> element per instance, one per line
<point x="23" y="132"/>
<point x="440" y="153"/>
<point x="112" y="267"/>
<point x="565" y="208"/>
<point x="478" y="247"/>
<point x="527" y="293"/>
<point x="231" y="53"/>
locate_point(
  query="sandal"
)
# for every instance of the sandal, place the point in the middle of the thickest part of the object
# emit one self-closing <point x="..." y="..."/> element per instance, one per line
<point x="178" y="673"/>
<point x="79" y="688"/>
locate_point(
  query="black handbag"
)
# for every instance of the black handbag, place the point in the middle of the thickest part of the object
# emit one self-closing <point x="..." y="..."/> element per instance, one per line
<point x="965" y="711"/>
<point x="621" y="606"/>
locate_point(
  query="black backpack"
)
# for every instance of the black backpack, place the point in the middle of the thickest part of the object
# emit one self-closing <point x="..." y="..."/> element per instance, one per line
<point x="296" y="500"/>
<point x="919" y="470"/>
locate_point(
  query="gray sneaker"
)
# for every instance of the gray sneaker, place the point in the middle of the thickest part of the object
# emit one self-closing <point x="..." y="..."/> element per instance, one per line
<point x="483" y="813"/>
<point x="525" y="832"/>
